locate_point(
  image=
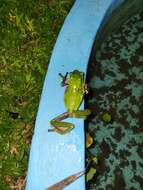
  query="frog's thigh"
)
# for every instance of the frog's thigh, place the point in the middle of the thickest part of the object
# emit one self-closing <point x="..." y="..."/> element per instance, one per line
<point x="80" y="113"/>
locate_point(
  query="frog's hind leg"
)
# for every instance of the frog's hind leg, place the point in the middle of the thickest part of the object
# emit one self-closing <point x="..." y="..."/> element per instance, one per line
<point x="80" y="113"/>
<point x="60" y="126"/>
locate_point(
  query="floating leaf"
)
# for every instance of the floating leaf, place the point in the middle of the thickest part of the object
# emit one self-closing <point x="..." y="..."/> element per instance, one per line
<point x="90" y="174"/>
<point x="95" y="160"/>
<point x="89" y="140"/>
<point x="106" y="117"/>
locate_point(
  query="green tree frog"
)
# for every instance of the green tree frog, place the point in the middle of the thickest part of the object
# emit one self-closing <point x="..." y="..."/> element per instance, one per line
<point x="73" y="97"/>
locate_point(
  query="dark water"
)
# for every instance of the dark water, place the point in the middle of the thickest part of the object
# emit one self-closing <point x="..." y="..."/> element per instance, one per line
<point x="116" y="82"/>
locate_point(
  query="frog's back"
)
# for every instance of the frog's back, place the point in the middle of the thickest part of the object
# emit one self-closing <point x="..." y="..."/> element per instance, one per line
<point x="73" y="98"/>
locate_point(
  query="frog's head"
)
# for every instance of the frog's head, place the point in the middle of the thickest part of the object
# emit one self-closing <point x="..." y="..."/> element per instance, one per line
<point x="76" y="78"/>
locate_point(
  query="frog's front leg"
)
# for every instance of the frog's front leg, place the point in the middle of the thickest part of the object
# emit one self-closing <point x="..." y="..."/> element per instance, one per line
<point x="60" y="126"/>
<point x="80" y="113"/>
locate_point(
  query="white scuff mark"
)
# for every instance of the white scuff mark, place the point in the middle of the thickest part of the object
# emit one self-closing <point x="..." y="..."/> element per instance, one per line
<point x="72" y="148"/>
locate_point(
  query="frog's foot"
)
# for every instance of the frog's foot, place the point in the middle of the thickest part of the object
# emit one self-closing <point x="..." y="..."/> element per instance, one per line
<point x="80" y="113"/>
<point x="64" y="81"/>
<point x="61" y="127"/>
<point x="86" y="88"/>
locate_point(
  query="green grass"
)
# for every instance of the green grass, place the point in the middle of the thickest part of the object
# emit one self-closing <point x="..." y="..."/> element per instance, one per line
<point x="29" y="29"/>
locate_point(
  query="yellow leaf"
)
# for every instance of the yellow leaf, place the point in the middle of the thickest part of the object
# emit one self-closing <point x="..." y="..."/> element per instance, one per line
<point x="90" y="174"/>
<point x="95" y="160"/>
<point x="89" y="140"/>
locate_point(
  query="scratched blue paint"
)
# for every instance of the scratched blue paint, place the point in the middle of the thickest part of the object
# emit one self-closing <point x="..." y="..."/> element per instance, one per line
<point x="53" y="156"/>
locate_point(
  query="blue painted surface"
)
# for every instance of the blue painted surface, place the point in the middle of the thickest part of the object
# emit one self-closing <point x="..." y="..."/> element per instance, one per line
<point x="53" y="156"/>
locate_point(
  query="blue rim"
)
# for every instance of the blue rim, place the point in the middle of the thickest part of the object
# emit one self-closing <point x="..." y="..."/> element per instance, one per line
<point x="52" y="156"/>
